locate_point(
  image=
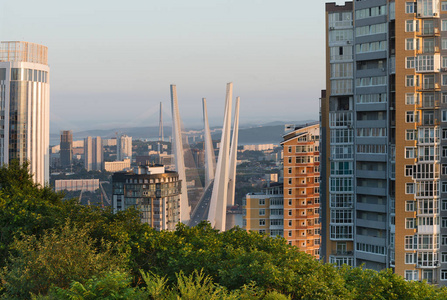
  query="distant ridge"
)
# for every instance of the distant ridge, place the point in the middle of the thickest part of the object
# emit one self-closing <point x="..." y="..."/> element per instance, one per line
<point x="268" y="133"/>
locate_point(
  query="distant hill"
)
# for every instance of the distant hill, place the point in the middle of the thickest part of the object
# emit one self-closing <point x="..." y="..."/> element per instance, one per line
<point x="269" y="133"/>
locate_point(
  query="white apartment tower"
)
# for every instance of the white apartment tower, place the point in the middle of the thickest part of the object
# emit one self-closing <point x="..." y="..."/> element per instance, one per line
<point x="124" y="147"/>
<point x="93" y="153"/>
<point x="25" y="106"/>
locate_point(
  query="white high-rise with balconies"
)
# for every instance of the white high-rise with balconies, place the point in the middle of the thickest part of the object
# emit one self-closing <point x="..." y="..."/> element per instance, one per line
<point x="25" y="106"/>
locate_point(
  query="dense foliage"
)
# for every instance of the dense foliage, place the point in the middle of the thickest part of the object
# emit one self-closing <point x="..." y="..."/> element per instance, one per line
<point x="55" y="249"/>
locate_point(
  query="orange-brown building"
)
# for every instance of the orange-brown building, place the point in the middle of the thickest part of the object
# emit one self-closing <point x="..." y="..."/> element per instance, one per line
<point x="384" y="124"/>
<point x="302" y="188"/>
<point x="291" y="209"/>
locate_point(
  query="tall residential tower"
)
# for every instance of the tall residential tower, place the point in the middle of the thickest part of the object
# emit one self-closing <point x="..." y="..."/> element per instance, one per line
<point x="384" y="126"/>
<point x="25" y="107"/>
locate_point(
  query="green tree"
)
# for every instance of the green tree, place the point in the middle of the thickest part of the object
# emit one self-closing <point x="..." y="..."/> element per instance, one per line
<point x="57" y="258"/>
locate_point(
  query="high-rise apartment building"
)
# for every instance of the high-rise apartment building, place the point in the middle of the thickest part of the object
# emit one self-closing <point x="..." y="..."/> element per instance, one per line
<point x="153" y="190"/>
<point x="291" y="209"/>
<point x="25" y="107"/>
<point x="124" y="147"/>
<point x="66" y="148"/>
<point x="302" y="188"/>
<point x="384" y="124"/>
<point x="93" y="153"/>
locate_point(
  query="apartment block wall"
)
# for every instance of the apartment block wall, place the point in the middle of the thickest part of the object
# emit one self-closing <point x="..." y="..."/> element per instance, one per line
<point x="302" y="226"/>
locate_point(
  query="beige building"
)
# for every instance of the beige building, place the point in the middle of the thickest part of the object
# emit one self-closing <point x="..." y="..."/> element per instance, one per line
<point x="117" y="166"/>
<point x="93" y="153"/>
<point x="88" y="185"/>
<point x="264" y="212"/>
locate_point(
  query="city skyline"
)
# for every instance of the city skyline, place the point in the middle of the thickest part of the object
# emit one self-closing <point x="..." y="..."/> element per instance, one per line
<point x="105" y="52"/>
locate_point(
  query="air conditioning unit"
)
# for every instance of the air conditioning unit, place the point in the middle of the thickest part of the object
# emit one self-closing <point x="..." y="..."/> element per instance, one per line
<point x="348" y="42"/>
<point x="435" y="14"/>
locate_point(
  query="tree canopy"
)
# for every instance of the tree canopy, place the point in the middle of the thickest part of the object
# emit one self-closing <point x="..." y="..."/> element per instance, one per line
<point x="56" y="249"/>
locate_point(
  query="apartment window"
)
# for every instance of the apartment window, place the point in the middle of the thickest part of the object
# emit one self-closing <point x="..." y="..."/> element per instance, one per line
<point x="444" y="169"/>
<point x="444" y="115"/>
<point x="444" y="240"/>
<point x="409" y="7"/>
<point x="444" y="44"/>
<point x="290" y="181"/>
<point x="409" y="80"/>
<point x="408" y="170"/>
<point x="411" y="275"/>
<point x="409" y="188"/>
<point x="409" y="99"/>
<point x="290" y="233"/>
<point x="290" y="191"/>
<point x="261" y="231"/>
<point x="290" y="202"/>
<point x="262" y="212"/>
<point x="290" y="223"/>
<point x="409" y="45"/>
<point x="409" y="62"/>
<point x="290" y="160"/>
<point x="410" y="258"/>
<point x="261" y="222"/>
<point x="444" y="257"/>
<point x="261" y="201"/>
<point x="410" y="223"/>
<point x="444" y="25"/>
<point x="444" y="134"/>
<point x="444" y="187"/>
<point x="290" y="170"/>
<point x="444" y="222"/>
<point x="410" y="134"/>
<point x="410" y="242"/>
<point x="444" y="79"/>
<point x="443" y="274"/>
<point x="409" y="152"/>
<point x="409" y="205"/>
<point x="409" y="116"/>
<point x="290" y="212"/>
<point x="444" y="98"/>
<point x="411" y="25"/>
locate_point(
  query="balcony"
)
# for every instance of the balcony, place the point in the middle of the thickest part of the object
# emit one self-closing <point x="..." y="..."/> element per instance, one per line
<point x="428" y="104"/>
<point x="429" y="31"/>
<point x="429" y="87"/>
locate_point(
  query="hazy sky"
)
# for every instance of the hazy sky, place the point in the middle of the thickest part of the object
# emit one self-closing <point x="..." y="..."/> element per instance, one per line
<point x="112" y="61"/>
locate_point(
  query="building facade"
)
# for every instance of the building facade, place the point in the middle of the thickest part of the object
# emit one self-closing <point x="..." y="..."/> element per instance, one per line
<point x="153" y="190"/>
<point x="302" y="188"/>
<point x="66" y="148"/>
<point x="88" y="185"/>
<point x="124" y="147"/>
<point x="384" y="124"/>
<point x="116" y="166"/>
<point x="93" y="153"/>
<point x="264" y="212"/>
<point x="25" y="107"/>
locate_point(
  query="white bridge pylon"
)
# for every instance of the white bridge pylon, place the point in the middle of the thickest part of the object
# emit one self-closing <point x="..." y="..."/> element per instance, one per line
<point x="177" y="146"/>
<point x="225" y="175"/>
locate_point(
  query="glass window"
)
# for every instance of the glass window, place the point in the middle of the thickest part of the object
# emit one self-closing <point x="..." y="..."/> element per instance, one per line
<point x="444" y="25"/>
<point x="409" y="188"/>
<point x="409" y="116"/>
<point x="409" y="152"/>
<point x="444" y="5"/>
<point x="409" y="44"/>
<point x="409" y="7"/>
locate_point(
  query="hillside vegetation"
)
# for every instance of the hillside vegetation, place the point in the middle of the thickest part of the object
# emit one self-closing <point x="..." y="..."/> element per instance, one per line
<point x="55" y="249"/>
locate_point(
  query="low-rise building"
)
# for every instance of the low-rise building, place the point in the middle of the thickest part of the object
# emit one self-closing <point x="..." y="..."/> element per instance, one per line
<point x="87" y="185"/>
<point x="117" y="166"/>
